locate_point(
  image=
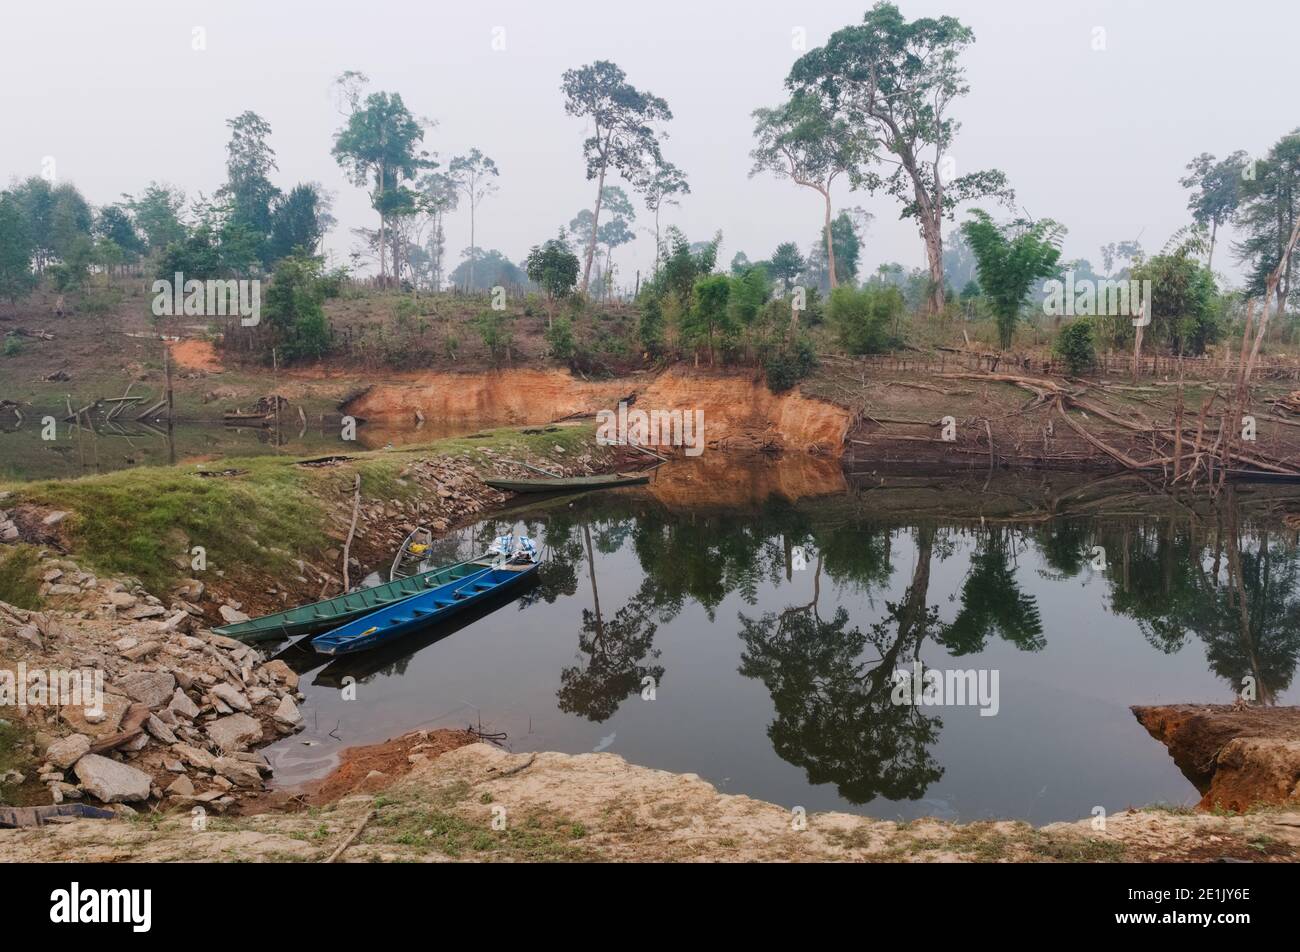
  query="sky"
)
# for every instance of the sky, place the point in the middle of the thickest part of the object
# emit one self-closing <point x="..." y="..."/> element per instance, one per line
<point x="118" y="95"/>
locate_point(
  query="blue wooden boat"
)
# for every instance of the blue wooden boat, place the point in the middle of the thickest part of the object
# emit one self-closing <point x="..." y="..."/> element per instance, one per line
<point x="420" y="611"/>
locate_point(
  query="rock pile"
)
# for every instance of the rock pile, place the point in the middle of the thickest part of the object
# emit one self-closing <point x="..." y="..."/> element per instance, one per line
<point x="183" y="709"/>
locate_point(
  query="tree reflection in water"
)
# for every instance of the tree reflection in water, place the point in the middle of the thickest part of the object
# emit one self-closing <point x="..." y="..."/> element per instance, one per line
<point x="1196" y="577"/>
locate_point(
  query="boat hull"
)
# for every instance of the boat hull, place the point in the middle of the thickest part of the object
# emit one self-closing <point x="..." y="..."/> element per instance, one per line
<point x="575" y="484"/>
<point x="421" y="611"/>
<point x="333" y="612"/>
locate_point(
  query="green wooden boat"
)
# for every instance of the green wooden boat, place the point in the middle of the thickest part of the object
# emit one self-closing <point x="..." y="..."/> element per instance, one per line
<point x="572" y="484"/>
<point x="333" y="612"/>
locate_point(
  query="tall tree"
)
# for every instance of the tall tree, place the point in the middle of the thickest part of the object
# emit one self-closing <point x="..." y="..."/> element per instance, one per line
<point x="438" y="196"/>
<point x="16" y="250"/>
<point x="379" y="144"/>
<point x="113" y="223"/>
<point x="1012" y="258"/>
<point x="473" y="174"/>
<point x="803" y="141"/>
<point x="250" y="160"/>
<point x="896" y="80"/>
<point x="297" y="224"/>
<point x="158" y="215"/>
<point x="658" y="187"/>
<point x="1270" y="202"/>
<point x="1215" y="191"/>
<point x="786" y="265"/>
<point x="623" y="135"/>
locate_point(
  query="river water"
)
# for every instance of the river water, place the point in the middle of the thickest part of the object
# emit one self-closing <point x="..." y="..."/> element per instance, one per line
<point x="750" y="625"/>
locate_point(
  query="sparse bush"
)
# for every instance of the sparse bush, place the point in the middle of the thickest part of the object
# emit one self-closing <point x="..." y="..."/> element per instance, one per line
<point x="12" y="346"/>
<point x="494" y="329"/>
<point x="559" y="338"/>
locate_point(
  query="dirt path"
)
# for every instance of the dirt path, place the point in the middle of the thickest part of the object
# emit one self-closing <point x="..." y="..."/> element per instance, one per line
<point x="480" y="803"/>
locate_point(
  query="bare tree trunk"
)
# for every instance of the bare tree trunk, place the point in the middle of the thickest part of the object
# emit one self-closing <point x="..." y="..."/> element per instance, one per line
<point x="595" y="223"/>
<point x="472" y="252"/>
<point x="1214" y="229"/>
<point x="383" y="231"/>
<point x="830" y="244"/>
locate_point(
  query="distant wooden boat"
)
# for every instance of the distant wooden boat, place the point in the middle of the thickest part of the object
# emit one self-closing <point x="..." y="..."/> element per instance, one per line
<point x="571" y="484"/>
<point x="332" y="612"/>
<point x="428" y="608"/>
<point x="414" y="551"/>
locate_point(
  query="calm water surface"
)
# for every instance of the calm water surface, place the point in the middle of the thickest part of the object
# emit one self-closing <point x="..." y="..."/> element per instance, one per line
<point x="770" y="616"/>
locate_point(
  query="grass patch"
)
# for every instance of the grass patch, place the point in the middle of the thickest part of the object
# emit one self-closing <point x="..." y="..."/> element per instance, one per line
<point x="143" y="522"/>
<point x="14" y="740"/>
<point x="20" y="581"/>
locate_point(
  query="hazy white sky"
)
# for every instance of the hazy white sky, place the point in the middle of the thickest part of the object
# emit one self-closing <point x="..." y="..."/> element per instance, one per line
<point x="1096" y="139"/>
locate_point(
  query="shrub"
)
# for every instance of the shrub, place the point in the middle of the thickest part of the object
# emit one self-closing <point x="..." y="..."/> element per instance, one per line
<point x="12" y="346"/>
<point x="861" y="317"/>
<point x="559" y="338"/>
<point x="788" y="364"/>
<point x="494" y="329"/>
<point x="1074" y="345"/>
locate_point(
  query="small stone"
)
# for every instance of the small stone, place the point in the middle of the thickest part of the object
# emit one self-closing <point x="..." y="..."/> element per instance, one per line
<point x="157" y="728"/>
<point x="231" y="616"/>
<point x="232" y="696"/>
<point x="235" y="731"/>
<point x="243" y="774"/>
<point x="183" y="706"/>
<point x="66" y="751"/>
<point x="151" y="688"/>
<point x="54" y="518"/>
<point x="111" y="782"/>
<point x="121" y="599"/>
<point x="288" y="713"/>
<point x="181" y="787"/>
<point x="194" y="756"/>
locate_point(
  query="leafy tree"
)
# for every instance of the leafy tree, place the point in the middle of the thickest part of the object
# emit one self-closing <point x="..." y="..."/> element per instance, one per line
<point x="684" y="264"/>
<point x="379" y="144"/>
<point x="804" y="141"/>
<point x="747" y="295"/>
<point x="438" y="196"/>
<point x="862" y="317"/>
<point x="491" y="268"/>
<point x="1011" y="259"/>
<point x="709" y="316"/>
<point x="786" y="264"/>
<point x="295" y="308"/>
<point x="623" y="135"/>
<point x="659" y="186"/>
<point x="16" y="250"/>
<point x="472" y="174"/>
<point x="554" y="268"/>
<point x="1215" y="191"/>
<point x="1074" y="345"/>
<point x="33" y="198"/>
<point x="613" y="233"/>
<point x="894" y="81"/>
<point x="1184" y="301"/>
<point x="250" y="160"/>
<point x="114" y="224"/>
<point x="650" y="325"/>
<point x="158" y="214"/>
<point x="848" y="250"/>
<point x="297" y="222"/>
<point x="1270" y="202"/>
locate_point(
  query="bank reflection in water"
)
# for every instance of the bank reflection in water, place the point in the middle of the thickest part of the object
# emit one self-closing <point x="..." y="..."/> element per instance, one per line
<point x="1086" y="598"/>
